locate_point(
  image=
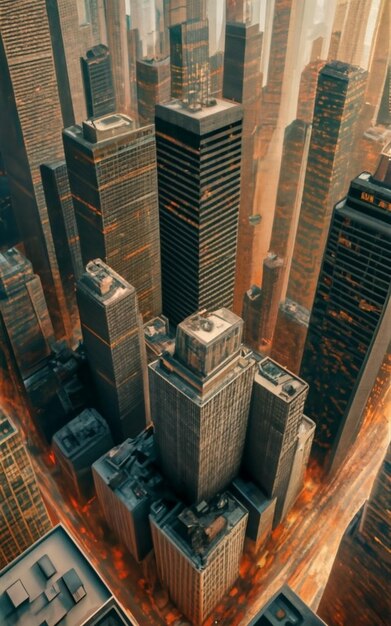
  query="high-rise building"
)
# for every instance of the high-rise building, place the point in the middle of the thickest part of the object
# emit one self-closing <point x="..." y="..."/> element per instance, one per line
<point x="348" y="329"/>
<point x="338" y="102"/>
<point x="23" y="516"/>
<point x="24" y="314"/>
<point x="199" y="153"/>
<point x="216" y="67"/>
<point x="285" y="607"/>
<point x="30" y="134"/>
<point x="112" y="175"/>
<point x="275" y="416"/>
<point x="260" y="511"/>
<point x="64" y="231"/>
<point x="242" y="82"/>
<point x="53" y="582"/>
<point x="98" y="81"/>
<point x="198" y="550"/>
<point x="290" y="334"/>
<point x="127" y="481"/>
<point x="153" y="86"/>
<point x="113" y="339"/>
<point x="8" y="229"/>
<point x="117" y="41"/>
<point x="189" y="58"/>
<point x="200" y="400"/>
<point x="77" y="446"/>
<point x="361" y="570"/>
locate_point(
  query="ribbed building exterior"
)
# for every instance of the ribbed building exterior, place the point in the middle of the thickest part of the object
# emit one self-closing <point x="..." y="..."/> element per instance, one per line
<point x="117" y="41"/>
<point x="23" y="516"/>
<point x="200" y="400"/>
<point x="349" y="326"/>
<point x="198" y="551"/>
<point x="98" y="81"/>
<point x="199" y="154"/>
<point x="23" y="313"/>
<point x="189" y="59"/>
<point x="112" y="175"/>
<point x="31" y="134"/>
<point x="153" y="86"/>
<point x="242" y="83"/>
<point x="275" y="416"/>
<point x="112" y="334"/>
<point x="64" y="231"/>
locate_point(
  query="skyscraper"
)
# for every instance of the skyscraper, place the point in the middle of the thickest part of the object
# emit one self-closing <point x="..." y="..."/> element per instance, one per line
<point x="189" y="57"/>
<point x="24" y="314"/>
<point x="117" y="41"/>
<point x="276" y="413"/>
<point x="30" y="134"/>
<point x="112" y="175"/>
<point x="23" y="516"/>
<point x="98" y="81"/>
<point x="361" y="570"/>
<point x="153" y="86"/>
<point x="338" y="102"/>
<point x="348" y="330"/>
<point x="200" y="400"/>
<point x="112" y="333"/>
<point x="242" y="83"/>
<point x="287" y="606"/>
<point x="198" y="152"/>
<point x="198" y="550"/>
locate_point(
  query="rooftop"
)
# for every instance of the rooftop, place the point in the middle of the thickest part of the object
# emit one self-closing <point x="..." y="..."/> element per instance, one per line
<point x="284" y="608"/>
<point x="383" y="171"/>
<point x="198" y="529"/>
<point x="295" y="311"/>
<point x="7" y="429"/>
<point x="200" y="119"/>
<point x="104" y="283"/>
<point x="280" y="381"/>
<point x="158" y="337"/>
<point x="340" y="69"/>
<point x="15" y="271"/>
<point x="130" y="470"/>
<point x="206" y="327"/>
<point x="81" y="432"/>
<point x="52" y="582"/>
<point x="107" y="126"/>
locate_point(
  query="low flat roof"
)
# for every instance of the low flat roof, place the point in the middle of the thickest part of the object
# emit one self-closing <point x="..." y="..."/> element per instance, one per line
<point x="51" y="581"/>
<point x="278" y="380"/>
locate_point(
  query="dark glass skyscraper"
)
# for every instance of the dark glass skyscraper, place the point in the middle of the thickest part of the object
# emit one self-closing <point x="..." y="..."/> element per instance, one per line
<point x="199" y="154"/>
<point x="351" y="317"/>
<point x="112" y="175"/>
<point x="98" y="81"/>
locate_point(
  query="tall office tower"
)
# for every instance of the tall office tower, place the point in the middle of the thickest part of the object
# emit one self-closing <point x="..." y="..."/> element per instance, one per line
<point x="290" y="334"/>
<point x="198" y="551"/>
<point x="200" y="400"/>
<point x="348" y="329"/>
<point x="77" y="446"/>
<point x="384" y="114"/>
<point x="153" y="86"/>
<point x="112" y="334"/>
<point x="198" y="154"/>
<point x="238" y="10"/>
<point x="117" y="41"/>
<point x="24" y="314"/>
<point x="252" y="303"/>
<point x="287" y="606"/>
<point x="8" y="230"/>
<point x="260" y="511"/>
<point x="64" y="231"/>
<point x="30" y="130"/>
<point x="112" y="175"/>
<point x="305" y="438"/>
<point x="276" y="414"/>
<point x="189" y="58"/>
<point x="23" y="516"/>
<point x="71" y="36"/>
<point x="98" y="81"/>
<point x="361" y="570"/>
<point x="216" y="66"/>
<point x="127" y="481"/>
<point x="134" y="53"/>
<point x="352" y="44"/>
<point x="338" y="102"/>
<point x="307" y="90"/>
<point x="242" y="83"/>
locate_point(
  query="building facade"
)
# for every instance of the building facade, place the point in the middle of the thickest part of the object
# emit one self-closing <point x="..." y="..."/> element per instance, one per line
<point x="98" y="81"/>
<point x="153" y="86"/>
<point x="199" y="154"/>
<point x="23" y="516"/>
<point x="348" y="329"/>
<point x="200" y="399"/>
<point x="112" y="175"/>
<point x="198" y="550"/>
<point x="112" y="334"/>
